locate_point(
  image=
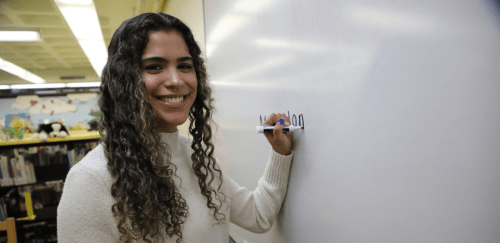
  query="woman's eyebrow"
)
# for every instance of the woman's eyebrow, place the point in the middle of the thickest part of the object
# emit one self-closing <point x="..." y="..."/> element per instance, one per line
<point x="186" y="58"/>
<point x="161" y="59"/>
<point x="154" y="59"/>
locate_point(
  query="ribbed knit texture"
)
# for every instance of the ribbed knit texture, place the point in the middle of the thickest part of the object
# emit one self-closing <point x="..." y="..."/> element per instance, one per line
<point x="277" y="162"/>
<point x="84" y="212"/>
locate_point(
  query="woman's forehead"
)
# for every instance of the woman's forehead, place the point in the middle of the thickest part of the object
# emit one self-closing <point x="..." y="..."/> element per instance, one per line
<point x="164" y="34"/>
<point x="165" y="43"/>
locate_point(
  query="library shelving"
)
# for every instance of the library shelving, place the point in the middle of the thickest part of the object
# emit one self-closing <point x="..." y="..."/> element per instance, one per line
<point x="30" y="165"/>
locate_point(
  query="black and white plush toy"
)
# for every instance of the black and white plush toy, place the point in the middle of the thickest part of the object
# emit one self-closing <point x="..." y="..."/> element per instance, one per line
<point x="50" y="130"/>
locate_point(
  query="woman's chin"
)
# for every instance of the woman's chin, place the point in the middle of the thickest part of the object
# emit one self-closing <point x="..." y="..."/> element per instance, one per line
<point x="171" y="126"/>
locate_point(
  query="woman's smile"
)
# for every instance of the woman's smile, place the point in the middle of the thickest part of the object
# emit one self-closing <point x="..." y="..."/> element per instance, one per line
<point x="173" y="101"/>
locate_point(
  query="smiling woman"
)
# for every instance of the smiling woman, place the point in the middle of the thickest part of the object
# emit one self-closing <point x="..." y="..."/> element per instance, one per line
<point x="170" y="78"/>
<point x="146" y="182"/>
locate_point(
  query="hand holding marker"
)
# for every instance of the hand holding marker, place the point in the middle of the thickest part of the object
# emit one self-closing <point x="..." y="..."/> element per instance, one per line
<point x="265" y="129"/>
<point x="280" y="142"/>
<point x="287" y="128"/>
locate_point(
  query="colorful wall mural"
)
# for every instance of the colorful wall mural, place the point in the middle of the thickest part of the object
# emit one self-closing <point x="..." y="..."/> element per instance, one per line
<point x="73" y="108"/>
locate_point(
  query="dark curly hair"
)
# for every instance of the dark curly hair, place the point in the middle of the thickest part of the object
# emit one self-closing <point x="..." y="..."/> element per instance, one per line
<point x="138" y="161"/>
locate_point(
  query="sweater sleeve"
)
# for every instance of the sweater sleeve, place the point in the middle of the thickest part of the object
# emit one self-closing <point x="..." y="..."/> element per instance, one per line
<point x="83" y="214"/>
<point x="256" y="210"/>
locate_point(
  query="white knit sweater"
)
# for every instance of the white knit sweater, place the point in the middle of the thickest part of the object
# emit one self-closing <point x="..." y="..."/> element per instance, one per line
<point x="84" y="212"/>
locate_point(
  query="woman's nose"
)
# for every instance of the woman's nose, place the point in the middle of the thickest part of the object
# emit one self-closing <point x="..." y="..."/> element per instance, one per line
<point x="172" y="77"/>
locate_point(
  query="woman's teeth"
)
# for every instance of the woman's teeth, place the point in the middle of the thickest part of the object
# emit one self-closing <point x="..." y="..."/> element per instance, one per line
<point x="173" y="100"/>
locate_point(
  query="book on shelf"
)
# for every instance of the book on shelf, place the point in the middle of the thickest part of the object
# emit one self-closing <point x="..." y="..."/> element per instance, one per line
<point x="72" y="157"/>
<point x="6" y="173"/>
<point x="16" y="171"/>
<point x="22" y="178"/>
<point x="30" y="171"/>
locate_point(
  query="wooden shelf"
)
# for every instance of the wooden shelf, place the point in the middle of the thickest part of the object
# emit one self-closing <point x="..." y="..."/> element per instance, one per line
<point x="76" y="135"/>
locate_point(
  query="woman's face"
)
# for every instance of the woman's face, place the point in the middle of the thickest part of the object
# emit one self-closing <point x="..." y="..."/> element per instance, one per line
<point x="167" y="64"/>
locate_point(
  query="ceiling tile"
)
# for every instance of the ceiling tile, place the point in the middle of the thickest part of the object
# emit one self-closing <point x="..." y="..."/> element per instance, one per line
<point x="7" y="55"/>
<point x="31" y="5"/>
<point x="106" y="32"/>
<point x="5" y="20"/>
<point x="71" y="54"/>
<point x="45" y="59"/>
<point x="53" y="65"/>
<point x="60" y="41"/>
<point x="36" y="54"/>
<point x="28" y="48"/>
<point x="76" y="60"/>
<point x="80" y="64"/>
<point x="103" y="21"/>
<point x="68" y="48"/>
<point x="38" y="20"/>
<point x="50" y="32"/>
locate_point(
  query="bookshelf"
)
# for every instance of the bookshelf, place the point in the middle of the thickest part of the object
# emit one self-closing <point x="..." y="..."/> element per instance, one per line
<point x="76" y="136"/>
<point x="44" y="179"/>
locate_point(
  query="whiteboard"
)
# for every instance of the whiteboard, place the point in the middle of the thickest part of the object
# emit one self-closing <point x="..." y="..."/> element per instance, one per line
<point x="401" y="103"/>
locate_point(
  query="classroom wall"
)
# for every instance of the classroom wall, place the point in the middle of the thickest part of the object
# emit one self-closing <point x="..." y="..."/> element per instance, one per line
<point x="401" y="106"/>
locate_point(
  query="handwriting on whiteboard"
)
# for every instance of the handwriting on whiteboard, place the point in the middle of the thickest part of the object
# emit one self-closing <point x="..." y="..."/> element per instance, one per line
<point x="293" y="119"/>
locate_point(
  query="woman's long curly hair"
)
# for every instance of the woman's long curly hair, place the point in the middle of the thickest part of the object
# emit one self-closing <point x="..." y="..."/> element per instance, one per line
<point x="145" y="193"/>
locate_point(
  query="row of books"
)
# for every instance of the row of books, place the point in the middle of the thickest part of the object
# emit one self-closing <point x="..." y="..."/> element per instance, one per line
<point x="75" y="156"/>
<point x="47" y="155"/>
<point x="79" y="151"/>
<point x="16" y="171"/>
<point x="18" y="166"/>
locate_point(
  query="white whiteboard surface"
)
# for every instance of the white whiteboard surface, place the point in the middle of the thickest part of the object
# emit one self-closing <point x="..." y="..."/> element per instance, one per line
<point x="401" y="102"/>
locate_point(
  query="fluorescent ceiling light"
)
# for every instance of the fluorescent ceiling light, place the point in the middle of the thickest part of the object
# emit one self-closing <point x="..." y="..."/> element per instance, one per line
<point x="50" y="85"/>
<point x="38" y="86"/>
<point x="20" y="72"/>
<point x="90" y="84"/>
<point x="20" y="35"/>
<point x="82" y="19"/>
<point x="44" y="92"/>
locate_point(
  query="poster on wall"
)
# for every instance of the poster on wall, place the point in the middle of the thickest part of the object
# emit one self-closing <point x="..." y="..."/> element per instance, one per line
<point x="72" y="110"/>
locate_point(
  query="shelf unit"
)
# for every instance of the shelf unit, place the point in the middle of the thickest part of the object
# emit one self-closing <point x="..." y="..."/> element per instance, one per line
<point x="46" y="215"/>
<point x="76" y="136"/>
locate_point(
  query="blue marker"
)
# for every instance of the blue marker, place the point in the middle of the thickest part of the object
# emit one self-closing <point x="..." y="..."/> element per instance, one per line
<point x="264" y="129"/>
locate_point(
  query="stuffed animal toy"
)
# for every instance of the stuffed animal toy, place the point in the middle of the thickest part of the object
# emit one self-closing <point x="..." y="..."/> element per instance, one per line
<point x="94" y="125"/>
<point x="51" y="130"/>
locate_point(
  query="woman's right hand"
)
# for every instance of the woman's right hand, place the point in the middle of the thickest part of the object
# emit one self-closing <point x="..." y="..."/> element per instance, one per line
<point x="281" y="142"/>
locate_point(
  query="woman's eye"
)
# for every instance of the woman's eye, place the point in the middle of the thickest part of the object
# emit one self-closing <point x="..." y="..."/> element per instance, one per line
<point x="185" y="66"/>
<point x="153" y="67"/>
